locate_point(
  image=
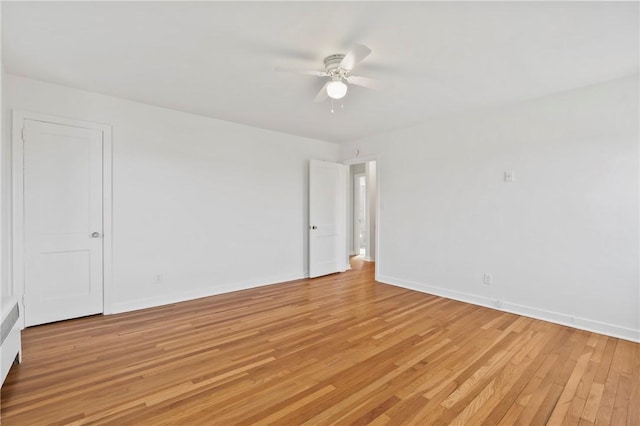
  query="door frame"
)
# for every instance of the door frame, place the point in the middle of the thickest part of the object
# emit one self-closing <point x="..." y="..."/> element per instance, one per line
<point x="17" y="175"/>
<point x="361" y="160"/>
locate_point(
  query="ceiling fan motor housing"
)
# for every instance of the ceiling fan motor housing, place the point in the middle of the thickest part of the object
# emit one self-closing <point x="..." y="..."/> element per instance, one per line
<point x="332" y="65"/>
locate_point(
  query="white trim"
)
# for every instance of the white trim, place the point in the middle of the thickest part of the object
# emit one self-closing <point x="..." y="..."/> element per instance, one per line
<point x="167" y="299"/>
<point x="107" y="219"/>
<point x="360" y="160"/>
<point x="514" y="308"/>
<point x="343" y="206"/>
<point x="18" y="201"/>
<point x="17" y="206"/>
<point x="378" y="217"/>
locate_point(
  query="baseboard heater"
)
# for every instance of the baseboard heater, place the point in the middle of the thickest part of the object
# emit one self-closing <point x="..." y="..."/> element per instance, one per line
<point x="10" y="342"/>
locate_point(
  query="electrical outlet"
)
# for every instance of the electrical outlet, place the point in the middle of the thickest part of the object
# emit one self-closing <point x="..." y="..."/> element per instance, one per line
<point x="509" y="176"/>
<point x="488" y="278"/>
<point x="157" y="279"/>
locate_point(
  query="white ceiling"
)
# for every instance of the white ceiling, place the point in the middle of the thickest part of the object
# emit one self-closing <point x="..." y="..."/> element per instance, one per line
<point x="218" y="59"/>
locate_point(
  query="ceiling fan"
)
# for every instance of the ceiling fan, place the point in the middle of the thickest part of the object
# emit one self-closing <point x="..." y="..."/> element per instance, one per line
<point x="338" y="68"/>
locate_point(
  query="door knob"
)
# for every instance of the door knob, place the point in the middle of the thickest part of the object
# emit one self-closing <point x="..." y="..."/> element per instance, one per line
<point x="95" y="235"/>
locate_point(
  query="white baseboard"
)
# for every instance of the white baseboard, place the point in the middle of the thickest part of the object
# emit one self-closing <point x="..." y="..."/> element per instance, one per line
<point x="514" y="308"/>
<point x="167" y="299"/>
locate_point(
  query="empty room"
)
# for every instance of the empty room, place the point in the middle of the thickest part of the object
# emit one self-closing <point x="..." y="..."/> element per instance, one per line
<point x="320" y="213"/>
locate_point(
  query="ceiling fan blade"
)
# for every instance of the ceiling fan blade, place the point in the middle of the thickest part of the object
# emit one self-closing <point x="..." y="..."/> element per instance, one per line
<point x="364" y="82"/>
<point x="357" y="53"/>
<point x="322" y="94"/>
<point x="305" y="72"/>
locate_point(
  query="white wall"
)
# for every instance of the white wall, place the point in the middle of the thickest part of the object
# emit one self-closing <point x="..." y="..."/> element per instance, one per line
<point x="5" y="203"/>
<point x="372" y="207"/>
<point x="215" y="206"/>
<point x="210" y="205"/>
<point x="5" y="194"/>
<point x="561" y="241"/>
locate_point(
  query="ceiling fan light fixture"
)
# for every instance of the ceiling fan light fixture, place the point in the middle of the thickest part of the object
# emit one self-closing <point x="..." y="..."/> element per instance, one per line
<point x="336" y="89"/>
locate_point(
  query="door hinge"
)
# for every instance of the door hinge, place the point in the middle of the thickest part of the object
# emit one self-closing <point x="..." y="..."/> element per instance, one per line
<point x="22" y="134"/>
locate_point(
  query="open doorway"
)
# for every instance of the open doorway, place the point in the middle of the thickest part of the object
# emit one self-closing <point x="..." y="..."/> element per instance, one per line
<point x="359" y="214"/>
<point x="362" y="210"/>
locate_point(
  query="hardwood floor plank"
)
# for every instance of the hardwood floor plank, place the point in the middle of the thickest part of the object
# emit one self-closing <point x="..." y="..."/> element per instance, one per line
<point x="340" y="349"/>
<point x="568" y="393"/>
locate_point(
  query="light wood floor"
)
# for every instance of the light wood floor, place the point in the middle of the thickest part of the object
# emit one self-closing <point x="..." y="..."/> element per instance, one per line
<point x="340" y="349"/>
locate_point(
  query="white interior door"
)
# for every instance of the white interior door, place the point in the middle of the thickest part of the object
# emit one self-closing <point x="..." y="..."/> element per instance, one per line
<point x="62" y="222"/>
<point x="326" y="218"/>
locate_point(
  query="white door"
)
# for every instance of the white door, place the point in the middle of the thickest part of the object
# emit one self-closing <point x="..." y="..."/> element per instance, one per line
<point x="326" y="218"/>
<point x="62" y="222"/>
